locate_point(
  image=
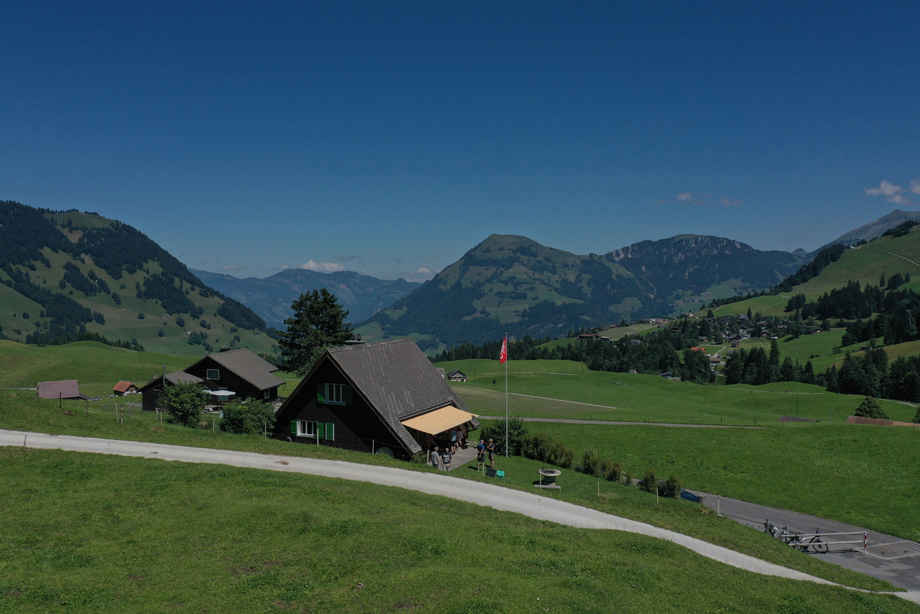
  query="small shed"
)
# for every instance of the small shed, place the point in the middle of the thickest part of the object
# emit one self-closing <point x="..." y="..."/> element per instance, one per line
<point x="61" y="389"/>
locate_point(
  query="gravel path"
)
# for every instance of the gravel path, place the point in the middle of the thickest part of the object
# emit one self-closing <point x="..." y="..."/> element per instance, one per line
<point x="504" y="499"/>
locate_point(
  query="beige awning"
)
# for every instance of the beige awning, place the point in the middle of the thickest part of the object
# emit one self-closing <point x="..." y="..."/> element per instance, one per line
<point x="439" y="420"/>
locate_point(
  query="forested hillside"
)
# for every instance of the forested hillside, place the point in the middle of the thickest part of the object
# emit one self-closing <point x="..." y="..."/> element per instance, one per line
<point x="513" y="284"/>
<point x="73" y="275"/>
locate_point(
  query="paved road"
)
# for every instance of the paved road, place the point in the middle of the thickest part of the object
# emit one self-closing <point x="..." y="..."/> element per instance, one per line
<point x="887" y="557"/>
<point x="488" y="495"/>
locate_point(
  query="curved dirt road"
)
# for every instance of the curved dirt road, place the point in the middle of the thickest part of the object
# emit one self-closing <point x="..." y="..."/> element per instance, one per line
<point x="504" y="499"/>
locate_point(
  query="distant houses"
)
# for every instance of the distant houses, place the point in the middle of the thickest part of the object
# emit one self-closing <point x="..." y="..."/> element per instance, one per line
<point x="383" y="398"/>
<point x="456" y="376"/>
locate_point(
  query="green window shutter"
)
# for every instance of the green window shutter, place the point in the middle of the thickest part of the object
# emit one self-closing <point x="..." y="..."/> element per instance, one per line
<point x="330" y="431"/>
<point x="320" y="431"/>
<point x="347" y="394"/>
<point x="293" y="427"/>
<point x="320" y="393"/>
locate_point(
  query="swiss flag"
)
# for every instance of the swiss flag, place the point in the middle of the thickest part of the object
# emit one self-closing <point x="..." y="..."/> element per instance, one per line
<point x="504" y="353"/>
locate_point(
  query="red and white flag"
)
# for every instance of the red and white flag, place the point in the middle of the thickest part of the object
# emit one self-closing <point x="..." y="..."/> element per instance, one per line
<point x="503" y="356"/>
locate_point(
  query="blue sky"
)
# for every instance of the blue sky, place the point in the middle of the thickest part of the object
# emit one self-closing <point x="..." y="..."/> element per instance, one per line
<point x="389" y="138"/>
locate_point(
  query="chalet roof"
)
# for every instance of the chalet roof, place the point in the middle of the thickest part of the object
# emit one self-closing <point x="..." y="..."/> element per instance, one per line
<point x="397" y="379"/>
<point x="173" y="378"/>
<point x="248" y="366"/>
<point x="61" y="389"/>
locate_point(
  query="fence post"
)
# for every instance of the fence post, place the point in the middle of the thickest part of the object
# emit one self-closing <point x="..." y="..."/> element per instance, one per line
<point x="865" y="542"/>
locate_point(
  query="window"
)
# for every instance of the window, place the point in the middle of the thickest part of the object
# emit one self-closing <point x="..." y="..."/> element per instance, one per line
<point x="305" y="428"/>
<point x="266" y="394"/>
<point x="335" y="394"/>
<point x="213" y="374"/>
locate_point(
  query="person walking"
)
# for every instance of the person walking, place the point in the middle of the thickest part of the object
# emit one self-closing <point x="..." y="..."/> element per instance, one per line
<point x="435" y="456"/>
<point x="491" y="449"/>
<point x="445" y="459"/>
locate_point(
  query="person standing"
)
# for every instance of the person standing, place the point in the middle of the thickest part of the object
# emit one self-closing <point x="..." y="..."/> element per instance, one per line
<point x="480" y="454"/>
<point x="435" y="456"/>
<point x="491" y="449"/>
<point x="445" y="459"/>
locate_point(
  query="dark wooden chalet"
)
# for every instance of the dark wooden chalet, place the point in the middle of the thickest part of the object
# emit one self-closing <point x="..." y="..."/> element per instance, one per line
<point x="456" y="376"/>
<point x="384" y="398"/>
<point x="241" y="372"/>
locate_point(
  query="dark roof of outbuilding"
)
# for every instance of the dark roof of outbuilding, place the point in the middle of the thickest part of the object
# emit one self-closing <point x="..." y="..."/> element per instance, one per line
<point x="248" y="366"/>
<point x="397" y="379"/>
<point x="173" y="378"/>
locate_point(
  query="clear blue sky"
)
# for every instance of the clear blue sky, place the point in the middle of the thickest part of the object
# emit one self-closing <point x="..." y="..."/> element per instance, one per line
<point x="389" y="138"/>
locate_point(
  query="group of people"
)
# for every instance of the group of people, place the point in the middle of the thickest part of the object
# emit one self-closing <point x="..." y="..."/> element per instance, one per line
<point x="442" y="455"/>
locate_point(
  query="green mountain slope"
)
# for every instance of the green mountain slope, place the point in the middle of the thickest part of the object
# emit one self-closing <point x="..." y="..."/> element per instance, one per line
<point x="67" y="274"/>
<point x="513" y="284"/>
<point x="867" y="264"/>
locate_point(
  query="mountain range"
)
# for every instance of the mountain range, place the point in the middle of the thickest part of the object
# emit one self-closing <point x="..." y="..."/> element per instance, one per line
<point x="512" y="284"/>
<point x="69" y="273"/>
<point x="271" y="297"/>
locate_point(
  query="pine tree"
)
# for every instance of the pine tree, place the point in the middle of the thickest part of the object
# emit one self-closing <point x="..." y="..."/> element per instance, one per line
<point x="318" y="322"/>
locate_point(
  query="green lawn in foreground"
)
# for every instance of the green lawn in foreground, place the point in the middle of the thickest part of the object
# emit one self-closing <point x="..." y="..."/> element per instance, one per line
<point x="91" y="533"/>
<point x="44" y="416"/>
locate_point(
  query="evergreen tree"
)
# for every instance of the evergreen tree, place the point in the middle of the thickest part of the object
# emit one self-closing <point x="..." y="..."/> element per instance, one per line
<point x="318" y="322"/>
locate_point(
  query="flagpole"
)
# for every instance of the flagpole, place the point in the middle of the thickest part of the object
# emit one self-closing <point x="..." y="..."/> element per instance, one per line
<point x="506" y="395"/>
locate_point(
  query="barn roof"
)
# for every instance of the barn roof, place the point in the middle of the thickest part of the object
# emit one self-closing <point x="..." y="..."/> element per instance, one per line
<point x="61" y="389"/>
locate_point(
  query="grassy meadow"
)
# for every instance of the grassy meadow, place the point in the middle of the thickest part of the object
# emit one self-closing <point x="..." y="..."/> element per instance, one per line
<point x="92" y="533"/>
<point x="223" y="536"/>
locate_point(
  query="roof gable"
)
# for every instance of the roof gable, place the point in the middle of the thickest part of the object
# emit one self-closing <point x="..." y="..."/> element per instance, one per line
<point x="247" y="366"/>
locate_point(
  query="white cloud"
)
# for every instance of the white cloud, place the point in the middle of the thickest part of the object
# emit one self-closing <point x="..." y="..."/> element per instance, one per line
<point x="885" y="188"/>
<point x="319" y="267"/>
<point x="701" y="201"/>
<point x="893" y="193"/>
<point x="232" y="267"/>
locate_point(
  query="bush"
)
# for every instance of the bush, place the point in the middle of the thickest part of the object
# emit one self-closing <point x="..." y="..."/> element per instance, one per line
<point x="628" y="478"/>
<point x="564" y="455"/>
<point x="674" y="486"/>
<point x="870" y="408"/>
<point x="590" y="462"/>
<point x="650" y="480"/>
<point x="917" y="417"/>
<point x="248" y="417"/>
<point x="614" y="472"/>
<point x="517" y="431"/>
<point x="183" y="402"/>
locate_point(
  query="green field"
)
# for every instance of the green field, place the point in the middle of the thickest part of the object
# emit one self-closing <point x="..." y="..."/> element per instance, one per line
<point x="844" y="466"/>
<point x="95" y="534"/>
<point x="537" y="388"/>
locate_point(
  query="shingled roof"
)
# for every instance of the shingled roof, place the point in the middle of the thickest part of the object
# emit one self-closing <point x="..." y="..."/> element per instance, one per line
<point x="397" y="379"/>
<point x="248" y="366"/>
<point x="173" y="378"/>
<point x="61" y="389"/>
